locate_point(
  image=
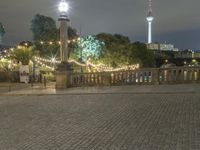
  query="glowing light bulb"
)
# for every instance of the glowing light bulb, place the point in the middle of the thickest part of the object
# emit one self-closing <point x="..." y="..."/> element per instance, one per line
<point x="63" y="7"/>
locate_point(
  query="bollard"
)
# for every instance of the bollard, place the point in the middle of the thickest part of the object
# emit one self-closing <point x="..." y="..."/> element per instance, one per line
<point x="31" y="81"/>
<point x="45" y="81"/>
<point x="9" y="88"/>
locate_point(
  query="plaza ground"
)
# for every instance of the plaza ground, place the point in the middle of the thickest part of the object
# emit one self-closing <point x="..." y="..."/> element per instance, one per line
<point x="158" y="117"/>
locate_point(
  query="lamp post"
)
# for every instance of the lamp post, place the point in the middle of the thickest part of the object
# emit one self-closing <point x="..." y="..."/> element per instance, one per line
<point x="64" y="20"/>
<point x="64" y="69"/>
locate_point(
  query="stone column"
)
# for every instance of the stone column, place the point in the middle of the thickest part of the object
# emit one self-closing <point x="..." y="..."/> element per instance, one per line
<point x="64" y="69"/>
<point x="155" y="76"/>
<point x="63" y="76"/>
<point x="64" y="52"/>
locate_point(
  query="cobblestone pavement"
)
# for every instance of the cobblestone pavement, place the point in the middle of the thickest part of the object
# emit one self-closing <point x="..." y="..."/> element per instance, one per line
<point x="39" y="89"/>
<point x="100" y="122"/>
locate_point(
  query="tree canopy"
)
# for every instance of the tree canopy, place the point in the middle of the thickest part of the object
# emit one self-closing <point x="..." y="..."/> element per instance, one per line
<point x="22" y="54"/>
<point x="2" y="31"/>
<point x="118" y="50"/>
<point x="111" y="49"/>
<point x="88" y="47"/>
<point x="44" y="29"/>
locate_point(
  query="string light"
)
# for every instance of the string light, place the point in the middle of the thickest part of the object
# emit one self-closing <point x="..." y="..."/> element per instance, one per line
<point x="99" y="67"/>
<point x="59" y="42"/>
<point x="47" y="60"/>
<point x="89" y="65"/>
<point x="45" y="65"/>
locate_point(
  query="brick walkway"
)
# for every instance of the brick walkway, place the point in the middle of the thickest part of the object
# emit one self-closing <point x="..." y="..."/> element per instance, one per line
<point x="100" y="122"/>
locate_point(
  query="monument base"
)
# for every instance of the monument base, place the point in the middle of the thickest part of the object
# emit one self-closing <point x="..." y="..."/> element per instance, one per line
<point x="63" y="72"/>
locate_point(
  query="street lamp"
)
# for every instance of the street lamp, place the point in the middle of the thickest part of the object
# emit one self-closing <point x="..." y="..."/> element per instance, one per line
<point x="63" y="6"/>
<point x="64" y="20"/>
<point x="64" y="69"/>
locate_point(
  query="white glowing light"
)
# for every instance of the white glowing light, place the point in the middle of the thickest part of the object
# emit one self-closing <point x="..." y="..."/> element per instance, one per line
<point x="53" y="60"/>
<point x="63" y="6"/>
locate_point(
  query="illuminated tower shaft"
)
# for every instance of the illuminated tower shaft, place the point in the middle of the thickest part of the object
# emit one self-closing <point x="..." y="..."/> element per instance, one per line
<point x="150" y="20"/>
<point x="149" y="32"/>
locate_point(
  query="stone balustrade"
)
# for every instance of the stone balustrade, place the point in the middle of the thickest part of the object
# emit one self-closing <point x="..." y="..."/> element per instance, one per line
<point x="140" y="76"/>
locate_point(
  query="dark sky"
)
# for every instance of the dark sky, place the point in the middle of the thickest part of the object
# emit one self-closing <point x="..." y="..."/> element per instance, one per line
<point x="176" y="21"/>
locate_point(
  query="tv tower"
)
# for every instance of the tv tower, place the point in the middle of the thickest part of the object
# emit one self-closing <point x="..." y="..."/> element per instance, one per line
<point x="150" y="20"/>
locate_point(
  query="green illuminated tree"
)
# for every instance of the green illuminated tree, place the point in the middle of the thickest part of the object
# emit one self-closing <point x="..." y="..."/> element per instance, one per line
<point x="88" y="47"/>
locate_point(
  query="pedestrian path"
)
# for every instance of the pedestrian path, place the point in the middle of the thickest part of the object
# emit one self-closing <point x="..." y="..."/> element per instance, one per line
<point x="39" y="89"/>
<point x="102" y="118"/>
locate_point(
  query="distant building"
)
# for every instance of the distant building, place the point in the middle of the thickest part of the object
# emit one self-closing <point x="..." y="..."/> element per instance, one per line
<point x="187" y="54"/>
<point x="162" y="47"/>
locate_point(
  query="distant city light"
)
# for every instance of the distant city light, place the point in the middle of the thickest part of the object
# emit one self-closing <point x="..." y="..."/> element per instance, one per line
<point x="19" y="47"/>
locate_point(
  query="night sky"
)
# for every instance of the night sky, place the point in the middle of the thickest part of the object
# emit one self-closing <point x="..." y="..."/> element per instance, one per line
<point x="176" y="21"/>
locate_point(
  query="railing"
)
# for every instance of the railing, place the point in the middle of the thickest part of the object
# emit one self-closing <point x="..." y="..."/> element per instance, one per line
<point x="139" y="76"/>
<point x="179" y="75"/>
<point x="7" y="76"/>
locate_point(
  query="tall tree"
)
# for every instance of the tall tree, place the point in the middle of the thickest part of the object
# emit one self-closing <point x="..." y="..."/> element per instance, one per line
<point x="22" y="54"/>
<point x="120" y="51"/>
<point x="2" y="32"/>
<point x="145" y="55"/>
<point x="116" y="50"/>
<point x="44" y="29"/>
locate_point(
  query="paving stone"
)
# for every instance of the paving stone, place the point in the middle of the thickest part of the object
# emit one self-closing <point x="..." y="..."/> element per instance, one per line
<point x="100" y="122"/>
